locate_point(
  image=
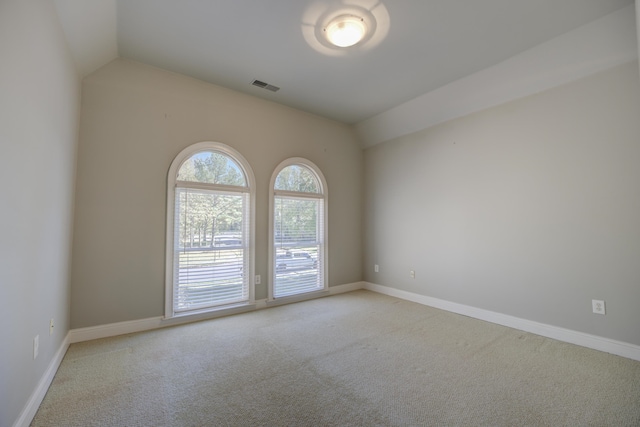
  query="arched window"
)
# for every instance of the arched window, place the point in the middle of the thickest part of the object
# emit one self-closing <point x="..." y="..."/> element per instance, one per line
<point x="209" y="230"/>
<point x="298" y="229"/>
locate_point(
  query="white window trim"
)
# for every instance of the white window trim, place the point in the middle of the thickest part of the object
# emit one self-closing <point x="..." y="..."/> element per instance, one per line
<point x="324" y="195"/>
<point x="172" y="183"/>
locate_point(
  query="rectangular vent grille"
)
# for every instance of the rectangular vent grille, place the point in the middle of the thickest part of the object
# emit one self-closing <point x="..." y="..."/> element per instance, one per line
<point x="264" y="85"/>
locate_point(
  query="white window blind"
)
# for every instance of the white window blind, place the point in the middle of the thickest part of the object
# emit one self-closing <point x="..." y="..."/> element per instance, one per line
<point x="298" y="232"/>
<point x="209" y="266"/>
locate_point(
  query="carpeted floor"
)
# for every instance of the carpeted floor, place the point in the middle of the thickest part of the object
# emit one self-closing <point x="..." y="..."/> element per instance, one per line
<point x="356" y="359"/>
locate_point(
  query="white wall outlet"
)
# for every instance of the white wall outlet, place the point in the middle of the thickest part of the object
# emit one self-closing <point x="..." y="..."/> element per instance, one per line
<point x="412" y="274"/>
<point x="36" y="346"/>
<point x="376" y="268"/>
<point x="258" y="279"/>
<point x="598" y="306"/>
<point x="51" y="327"/>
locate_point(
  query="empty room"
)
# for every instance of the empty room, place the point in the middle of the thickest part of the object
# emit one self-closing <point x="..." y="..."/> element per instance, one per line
<point x="320" y="212"/>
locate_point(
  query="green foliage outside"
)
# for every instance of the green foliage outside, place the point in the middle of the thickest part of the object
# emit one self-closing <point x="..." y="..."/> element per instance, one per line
<point x="205" y="214"/>
<point x="212" y="168"/>
<point x="297" y="178"/>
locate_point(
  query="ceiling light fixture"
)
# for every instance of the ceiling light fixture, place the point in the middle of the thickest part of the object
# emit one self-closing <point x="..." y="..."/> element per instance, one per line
<point x="345" y="30"/>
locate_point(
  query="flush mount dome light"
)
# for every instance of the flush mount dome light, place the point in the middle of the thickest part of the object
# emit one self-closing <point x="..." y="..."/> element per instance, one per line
<point x="345" y="30"/>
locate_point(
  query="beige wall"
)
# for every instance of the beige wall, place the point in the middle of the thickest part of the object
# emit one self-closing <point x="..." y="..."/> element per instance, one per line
<point x="530" y="209"/>
<point x="39" y="113"/>
<point x="135" y="120"/>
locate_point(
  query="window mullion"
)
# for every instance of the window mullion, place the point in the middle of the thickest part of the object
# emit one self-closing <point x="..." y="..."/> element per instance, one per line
<point x="298" y="195"/>
<point x="211" y="187"/>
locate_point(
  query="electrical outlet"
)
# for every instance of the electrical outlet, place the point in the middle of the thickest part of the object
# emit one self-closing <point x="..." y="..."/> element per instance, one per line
<point x="36" y="346"/>
<point x="376" y="268"/>
<point x="412" y="274"/>
<point x="598" y="306"/>
<point x="51" y="327"/>
<point x="258" y="279"/>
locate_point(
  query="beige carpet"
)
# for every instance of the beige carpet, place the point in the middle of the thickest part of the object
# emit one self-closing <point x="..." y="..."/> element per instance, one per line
<point x="357" y="359"/>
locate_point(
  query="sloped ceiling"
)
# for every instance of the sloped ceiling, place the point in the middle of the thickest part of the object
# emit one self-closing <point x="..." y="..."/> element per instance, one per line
<point x="422" y="57"/>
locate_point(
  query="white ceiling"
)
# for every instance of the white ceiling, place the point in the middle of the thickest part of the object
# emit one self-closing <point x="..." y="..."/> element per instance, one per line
<point x="419" y="45"/>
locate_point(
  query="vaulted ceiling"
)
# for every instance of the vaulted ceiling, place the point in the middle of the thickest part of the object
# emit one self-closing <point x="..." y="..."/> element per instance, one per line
<point x="418" y="46"/>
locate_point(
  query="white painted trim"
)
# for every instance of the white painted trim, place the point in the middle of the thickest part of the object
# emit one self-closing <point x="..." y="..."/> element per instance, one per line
<point x="114" y="329"/>
<point x="591" y="48"/>
<point x="261" y="303"/>
<point x="30" y="409"/>
<point x="348" y="287"/>
<point x="333" y="290"/>
<point x="150" y="323"/>
<point x="297" y="298"/>
<point x="607" y="345"/>
<point x="207" y="315"/>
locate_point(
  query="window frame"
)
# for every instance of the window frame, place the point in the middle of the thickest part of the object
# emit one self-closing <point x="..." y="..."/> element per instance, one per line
<point x="176" y="164"/>
<point x="323" y="192"/>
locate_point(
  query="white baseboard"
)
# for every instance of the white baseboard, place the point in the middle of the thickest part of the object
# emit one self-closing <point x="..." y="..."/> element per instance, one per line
<point x="150" y="323"/>
<point x="349" y="287"/>
<point x="128" y="327"/>
<point x="114" y="329"/>
<point x="296" y="298"/>
<point x="30" y="409"/>
<point x="332" y="290"/>
<point x="595" y="342"/>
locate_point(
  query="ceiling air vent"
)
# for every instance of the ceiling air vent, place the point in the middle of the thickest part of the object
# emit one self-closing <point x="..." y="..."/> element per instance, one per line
<point x="264" y="85"/>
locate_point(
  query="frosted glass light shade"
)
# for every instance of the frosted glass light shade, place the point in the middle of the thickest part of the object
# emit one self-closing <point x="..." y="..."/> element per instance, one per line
<point x="345" y="30"/>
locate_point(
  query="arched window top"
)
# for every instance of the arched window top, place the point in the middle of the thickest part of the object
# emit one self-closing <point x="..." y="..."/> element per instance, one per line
<point x="298" y="178"/>
<point x="211" y="164"/>
<point x="212" y="167"/>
